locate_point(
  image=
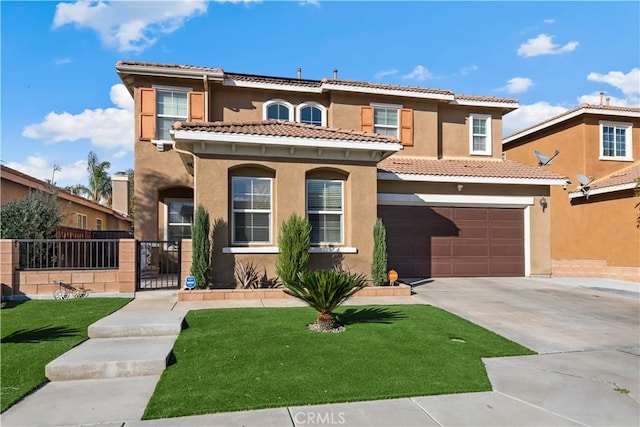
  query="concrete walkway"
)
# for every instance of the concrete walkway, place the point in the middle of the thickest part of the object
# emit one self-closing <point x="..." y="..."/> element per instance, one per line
<point x="587" y="372"/>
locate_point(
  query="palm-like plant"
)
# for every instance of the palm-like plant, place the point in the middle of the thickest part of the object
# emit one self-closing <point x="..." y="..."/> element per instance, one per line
<point x="325" y="290"/>
<point x="99" y="188"/>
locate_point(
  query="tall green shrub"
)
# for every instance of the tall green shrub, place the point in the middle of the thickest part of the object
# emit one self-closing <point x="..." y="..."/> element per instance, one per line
<point x="379" y="262"/>
<point x="35" y="217"/>
<point x="201" y="247"/>
<point x="294" y="243"/>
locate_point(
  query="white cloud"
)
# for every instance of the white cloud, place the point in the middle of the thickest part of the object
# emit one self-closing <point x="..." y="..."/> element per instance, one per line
<point x="63" y="61"/>
<point x="315" y="3"/>
<point x="594" y="99"/>
<point x="39" y="167"/>
<point x="543" y="45"/>
<point x="384" y="73"/>
<point x="109" y="128"/>
<point x="468" y="70"/>
<point x="529" y="115"/>
<point x="128" y="26"/>
<point x="518" y="85"/>
<point x="549" y="21"/>
<point x="419" y="73"/>
<point x="628" y="83"/>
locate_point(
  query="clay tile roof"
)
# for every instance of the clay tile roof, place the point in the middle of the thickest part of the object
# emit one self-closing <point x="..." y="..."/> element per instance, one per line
<point x="359" y="84"/>
<point x="625" y="176"/>
<point x="170" y="66"/>
<point x="496" y="168"/>
<point x="273" y="80"/>
<point x="486" y="98"/>
<point x="586" y="108"/>
<point x="280" y="128"/>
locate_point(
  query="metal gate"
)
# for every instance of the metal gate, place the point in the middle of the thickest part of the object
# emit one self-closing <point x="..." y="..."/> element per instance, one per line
<point x="158" y="265"/>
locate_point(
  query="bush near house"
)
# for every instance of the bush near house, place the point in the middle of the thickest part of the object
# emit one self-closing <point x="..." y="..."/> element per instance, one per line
<point x="379" y="262"/>
<point x="35" y="217"/>
<point x="294" y="243"/>
<point x="201" y="246"/>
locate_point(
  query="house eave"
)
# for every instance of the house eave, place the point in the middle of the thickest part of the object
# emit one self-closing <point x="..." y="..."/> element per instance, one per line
<point x="461" y="179"/>
<point x="392" y="92"/>
<point x="575" y="194"/>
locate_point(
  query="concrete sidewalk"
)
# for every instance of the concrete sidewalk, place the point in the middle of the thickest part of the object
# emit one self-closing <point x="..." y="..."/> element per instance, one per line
<point x="587" y="373"/>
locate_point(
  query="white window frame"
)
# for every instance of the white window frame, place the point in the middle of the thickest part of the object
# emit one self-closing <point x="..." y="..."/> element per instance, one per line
<point x="267" y="211"/>
<point x="167" y="224"/>
<point x="312" y="104"/>
<point x="81" y="221"/>
<point x="396" y="107"/>
<point x="488" y="139"/>
<point x="98" y="224"/>
<point x="322" y="212"/>
<point x="179" y="89"/>
<point x="628" y="127"/>
<point x="269" y="103"/>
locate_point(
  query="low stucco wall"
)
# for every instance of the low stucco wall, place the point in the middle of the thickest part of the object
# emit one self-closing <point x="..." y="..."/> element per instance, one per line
<point x="278" y="293"/>
<point x="593" y="268"/>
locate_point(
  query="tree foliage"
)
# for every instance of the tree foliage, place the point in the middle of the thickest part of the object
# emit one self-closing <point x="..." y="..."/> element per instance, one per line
<point x="201" y="247"/>
<point x="379" y="261"/>
<point x="37" y="216"/>
<point x="294" y="243"/>
<point x="99" y="188"/>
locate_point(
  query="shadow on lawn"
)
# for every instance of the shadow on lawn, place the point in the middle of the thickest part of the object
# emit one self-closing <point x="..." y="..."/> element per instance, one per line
<point x="369" y="315"/>
<point x="48" y="333"/>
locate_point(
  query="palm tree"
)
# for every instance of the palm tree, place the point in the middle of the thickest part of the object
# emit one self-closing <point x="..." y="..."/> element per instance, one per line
<point x="325" y="290"/>
<point x="99" y="189"/>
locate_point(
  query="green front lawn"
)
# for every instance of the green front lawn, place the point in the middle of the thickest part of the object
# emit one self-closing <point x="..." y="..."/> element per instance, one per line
<point x="239" y="359"/>
<point x="36" y="332"/>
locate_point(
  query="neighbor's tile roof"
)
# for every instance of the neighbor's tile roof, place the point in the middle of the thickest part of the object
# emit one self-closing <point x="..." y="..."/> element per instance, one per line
<point x="274" y="80"/>
<point x="170" y="66"/>
<point x="462" y="167"/>
<point x="279" y="128"/>
<point x="584" y="108"/>
<point x="628" y="175"/>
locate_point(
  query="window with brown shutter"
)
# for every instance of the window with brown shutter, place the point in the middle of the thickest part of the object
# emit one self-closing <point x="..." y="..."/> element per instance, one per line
<point x="366" y="119"/>
<point x="406" y="126"/>
<point x="146" y="114"/>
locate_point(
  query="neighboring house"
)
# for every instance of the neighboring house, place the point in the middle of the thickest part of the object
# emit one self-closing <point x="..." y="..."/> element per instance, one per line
<point x="593" y="219"/>
<point x="78" y="212"/>
<point x="255" y="149"/>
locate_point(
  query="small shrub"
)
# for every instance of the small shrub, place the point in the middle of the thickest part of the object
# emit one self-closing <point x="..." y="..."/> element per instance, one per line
<point x="379" y="262"/>
<point x="201" y="247"/>
<point x="247" y="274"/>
<point x="294" y="243"/>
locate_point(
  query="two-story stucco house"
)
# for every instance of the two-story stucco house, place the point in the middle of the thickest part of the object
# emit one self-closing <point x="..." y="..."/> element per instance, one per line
<point x="254" y="149"/>
<point x="594" y="230"/>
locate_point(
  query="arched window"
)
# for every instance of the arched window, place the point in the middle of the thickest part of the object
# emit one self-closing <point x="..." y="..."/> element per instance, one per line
<point x="278" y="109"/>
<point x="312" y="113"/>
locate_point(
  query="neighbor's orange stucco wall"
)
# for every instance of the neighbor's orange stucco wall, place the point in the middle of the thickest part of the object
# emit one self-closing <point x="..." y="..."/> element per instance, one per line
<point x="602" y="227"/>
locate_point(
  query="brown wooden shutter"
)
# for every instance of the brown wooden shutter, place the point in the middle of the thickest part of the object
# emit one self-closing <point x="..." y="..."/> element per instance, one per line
<point x="366" y="119"/>
<point x="147" y="113"/>
<point x="196" y="107"/>
<point x="406" y="126"/>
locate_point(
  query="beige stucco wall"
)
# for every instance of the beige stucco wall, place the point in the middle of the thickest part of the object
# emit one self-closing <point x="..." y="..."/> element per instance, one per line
<point x="288" y="194"/>
<point x="601" y="228"/>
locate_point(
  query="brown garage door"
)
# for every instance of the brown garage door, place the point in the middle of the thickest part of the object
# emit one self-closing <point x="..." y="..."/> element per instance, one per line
<point x="454" y="242"/>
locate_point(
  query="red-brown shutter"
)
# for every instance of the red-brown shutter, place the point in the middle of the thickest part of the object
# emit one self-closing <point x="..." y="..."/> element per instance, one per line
<point x="406" y="126"/>
<point x="196" y="107"/>
<point x="366" y="119"/>
<point x="147" y="113"/>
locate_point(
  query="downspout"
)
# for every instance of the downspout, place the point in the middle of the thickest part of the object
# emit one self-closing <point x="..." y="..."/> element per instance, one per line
<point x="205" y="82"/>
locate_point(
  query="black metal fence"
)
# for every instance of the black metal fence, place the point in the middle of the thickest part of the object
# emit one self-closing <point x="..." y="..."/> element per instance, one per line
<point x="80" y="254"/>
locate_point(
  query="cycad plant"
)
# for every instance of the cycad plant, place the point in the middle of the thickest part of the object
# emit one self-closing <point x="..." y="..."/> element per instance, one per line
<point x="325" y="290"/>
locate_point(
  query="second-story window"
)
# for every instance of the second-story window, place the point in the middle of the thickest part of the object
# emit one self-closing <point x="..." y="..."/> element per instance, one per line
<point x="81" y="221"/>
<point x="312" y="113"/>
<point x="278" y="109"/>
<point x="615" y="141"/>
<point x="480" y="134"/>
<point x="385" y="120"/>
<point x="171" y="107"/>
<point x="98" y="224"/>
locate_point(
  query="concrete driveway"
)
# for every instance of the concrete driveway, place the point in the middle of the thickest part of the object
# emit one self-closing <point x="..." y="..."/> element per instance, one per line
<point x="585" y="331"/>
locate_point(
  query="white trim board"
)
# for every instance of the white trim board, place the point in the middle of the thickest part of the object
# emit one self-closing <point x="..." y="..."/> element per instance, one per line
<point x="389" y="176"/>
<point x="454" y="200"/>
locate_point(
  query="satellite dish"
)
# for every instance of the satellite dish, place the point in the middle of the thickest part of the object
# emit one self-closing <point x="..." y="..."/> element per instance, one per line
<point x="544" y="160"/>
<point x="583" y="180"/>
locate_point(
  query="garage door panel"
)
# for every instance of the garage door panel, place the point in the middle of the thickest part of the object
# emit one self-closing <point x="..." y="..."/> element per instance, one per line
<point x="453" y="241"/>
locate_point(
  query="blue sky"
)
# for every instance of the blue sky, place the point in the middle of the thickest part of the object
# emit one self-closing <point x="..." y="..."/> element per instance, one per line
<point x="62" y="98"/>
